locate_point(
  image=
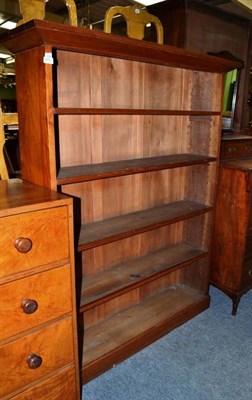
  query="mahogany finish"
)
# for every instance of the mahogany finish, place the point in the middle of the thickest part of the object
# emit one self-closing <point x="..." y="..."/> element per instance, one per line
<point x="200" y="27"/>
<point x="82" y="173"/>
<point x="236" y="146"/>
<point x="37" y="33"/>
<point x="38" y="334"/>
<point x="232" y="257"/>
<point x="131" y="130"/>
<point x="107" y="231"/>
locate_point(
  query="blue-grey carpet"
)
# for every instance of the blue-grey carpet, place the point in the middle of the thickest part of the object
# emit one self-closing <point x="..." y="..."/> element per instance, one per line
<point x="208" y="358"/>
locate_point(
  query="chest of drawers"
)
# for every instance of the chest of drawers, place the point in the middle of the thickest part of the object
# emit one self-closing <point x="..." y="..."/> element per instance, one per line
<point x="232" y="245"/>
<point x="236" y="146"/>
<point x="38" y="341"/>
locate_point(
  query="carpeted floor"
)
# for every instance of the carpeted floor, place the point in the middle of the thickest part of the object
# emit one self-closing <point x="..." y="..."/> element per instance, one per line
<point x="208" y="358"/>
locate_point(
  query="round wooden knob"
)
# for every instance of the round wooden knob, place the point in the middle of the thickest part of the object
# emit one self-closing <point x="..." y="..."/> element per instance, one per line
<point x="23" y="245"/>
<point x="34" y="361"/>
<point x="29" y="306"/>
<point x="250" y="272"/>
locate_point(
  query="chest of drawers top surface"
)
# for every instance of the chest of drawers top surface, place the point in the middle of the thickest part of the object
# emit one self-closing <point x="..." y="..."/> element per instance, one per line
<point x="236" y="146"/>
<point x="243" y="164"/>
<point x="18" y="196"/>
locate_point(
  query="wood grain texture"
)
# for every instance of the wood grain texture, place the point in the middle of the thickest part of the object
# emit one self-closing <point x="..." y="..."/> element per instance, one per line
<point x="47" y="296"/>
<point x="46" y="247"/>
<point x="236" y="148"/>
<point x="38" y="33"/>
<point x="231" y="257"/>
<point x="97" y="139"/>
<point x="17" y="197"/>
<point x="131" y="104"/>
<point x="198" y="27"/>
<point x="111" y="359"/>
<point x="131" y="224"/>
<point x="107" y="256"/>
<point x="242" y="164"/>
<point x="129" y="111"/>
<point x="81" y="173"/>
<point x="123" y="332"/>
<point x="132" y="193"/>
<point x="15" y="372"/>
<point x="36" y="89"/>
<point x="44" y="279"/>
<point x="123" y="327"/>
<point x="148" y="86"/>
<point x="140" y="294"/>
<point x="233" y="203"/>
<point x="57" y="387"/>
<point x="127" y="275"/>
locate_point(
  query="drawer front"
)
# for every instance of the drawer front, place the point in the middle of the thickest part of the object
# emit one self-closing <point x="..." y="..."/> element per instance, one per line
<point x="53" y="344"/>
<point x="33" y="239"/>
<point x="59" y="387"/>
<point x="235" y="149"/>
<point x="34" y="300"/>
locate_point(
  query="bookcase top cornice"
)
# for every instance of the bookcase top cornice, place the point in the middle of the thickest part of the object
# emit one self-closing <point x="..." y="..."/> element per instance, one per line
<point x="37" y="33"/>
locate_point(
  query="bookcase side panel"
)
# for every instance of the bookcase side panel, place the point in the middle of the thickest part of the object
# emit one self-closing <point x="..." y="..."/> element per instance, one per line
<point x="35" y="114"/>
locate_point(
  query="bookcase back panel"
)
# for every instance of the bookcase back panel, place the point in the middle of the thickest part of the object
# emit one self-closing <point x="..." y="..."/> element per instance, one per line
<point x="196" y="275"/>
<point x="204" y="134"/>
<point x="194" y="231"/>
<point x="104" y="257"/>
<point x="121" y="195"/>
<point x="204" y="87"/>
<point x="129" y="299"/>
<point x="116" y="196"/>
<point x="195" y="175"/>
<point x="97" y="139"/>
<point x="100" y="82"/>
<point x="197" y="231"/>
<point x="173" y="281"/>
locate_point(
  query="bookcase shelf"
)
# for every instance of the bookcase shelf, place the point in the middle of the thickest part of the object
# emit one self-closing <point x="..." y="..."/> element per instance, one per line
<point x="128" y="111"/>
<point x="109" y="230"/>
<point x="121" y="334"/>
<point x="131" y="130"/>
<point x="82" y="173"/>
<point x="135" y="273"/>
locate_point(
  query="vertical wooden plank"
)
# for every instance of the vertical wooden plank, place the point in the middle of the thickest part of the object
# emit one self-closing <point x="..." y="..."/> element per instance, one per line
<point x="36" y="135"/>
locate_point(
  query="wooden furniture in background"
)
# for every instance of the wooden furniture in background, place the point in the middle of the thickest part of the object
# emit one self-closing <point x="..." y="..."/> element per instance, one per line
<point x="31" y="9"/>
<point x="232" y="245"/>
<point x="137" y="19"/>
<point x="199" y="27"/>
<point x="132" y="130"/>
<point x="37" y="294"/>
<point x="236" y="146"/>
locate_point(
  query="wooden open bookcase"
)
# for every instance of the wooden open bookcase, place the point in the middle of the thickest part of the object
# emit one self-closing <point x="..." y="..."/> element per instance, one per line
<point x="132" y="131"/>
